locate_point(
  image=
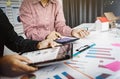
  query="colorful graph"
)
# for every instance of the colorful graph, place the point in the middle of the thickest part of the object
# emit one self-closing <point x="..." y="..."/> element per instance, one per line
<point x="102" y="76"/>
<point x="111" y="58"/>
<point x="78" y="64"/>
<point x="114" y="66"/>
<point x="57" y="77"/>
<point x="101" y="53"/>
<point x="65" y="74"/>
<point x="116" y="44"/>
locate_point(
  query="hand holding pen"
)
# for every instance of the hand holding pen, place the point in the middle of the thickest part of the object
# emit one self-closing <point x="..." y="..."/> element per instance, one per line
<point x="80" y="33"/>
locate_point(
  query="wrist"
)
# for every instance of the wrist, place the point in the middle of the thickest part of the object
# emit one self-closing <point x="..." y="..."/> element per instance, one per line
<point x="72" y="32"/>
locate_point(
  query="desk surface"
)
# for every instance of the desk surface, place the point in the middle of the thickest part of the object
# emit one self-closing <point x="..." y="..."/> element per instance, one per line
<point x="102" y="60"/>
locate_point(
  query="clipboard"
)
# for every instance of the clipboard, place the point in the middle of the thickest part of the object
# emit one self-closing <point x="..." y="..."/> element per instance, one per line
<point x="50" y="56"/>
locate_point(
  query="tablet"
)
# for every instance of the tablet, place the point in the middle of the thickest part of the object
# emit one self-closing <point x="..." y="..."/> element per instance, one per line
<point x="50" y="56"/>
<point x="65" y="40"/>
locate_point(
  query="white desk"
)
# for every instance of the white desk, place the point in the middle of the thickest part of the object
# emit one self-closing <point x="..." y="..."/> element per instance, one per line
<point x="83" y="66"/>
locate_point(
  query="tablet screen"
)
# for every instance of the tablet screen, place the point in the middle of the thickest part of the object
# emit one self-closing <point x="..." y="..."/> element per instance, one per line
<point x="50" y="55"/>
<point x="66" y="40"/>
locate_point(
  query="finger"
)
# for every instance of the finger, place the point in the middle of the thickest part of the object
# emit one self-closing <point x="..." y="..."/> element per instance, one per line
<point x="53" y="44"/>
<point x="17" y="69"/>
<point x="82" y="34"/>
<point x="19" y="66"/>
<point x="45" y="43"/>
<point x="58" y="35"/>
<point x="24" y="59"/>
<point x="27" y="68"/>
<point x="54" y="37"/>
<point x="79" y="30"/>
<point x="76" y="35"/>
<point x="86" y="32"/>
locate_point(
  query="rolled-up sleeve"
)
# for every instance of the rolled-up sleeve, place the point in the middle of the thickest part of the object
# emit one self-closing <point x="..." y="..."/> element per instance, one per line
<point x="60" y="24"/>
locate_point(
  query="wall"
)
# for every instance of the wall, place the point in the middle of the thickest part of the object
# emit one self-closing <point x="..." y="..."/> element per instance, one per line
<point x="112" y="6"/>
<point x="11" y="9"/>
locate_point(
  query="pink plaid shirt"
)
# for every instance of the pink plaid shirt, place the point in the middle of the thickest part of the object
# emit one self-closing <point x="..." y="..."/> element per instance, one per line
<point x="39" y="21"/>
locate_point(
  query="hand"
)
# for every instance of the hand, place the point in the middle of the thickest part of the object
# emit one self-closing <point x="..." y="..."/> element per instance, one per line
<point x="14" y="63"/>
<point x="54" y="35"/>
<point x="47" y="43"/>
<point x="80" y="33"/>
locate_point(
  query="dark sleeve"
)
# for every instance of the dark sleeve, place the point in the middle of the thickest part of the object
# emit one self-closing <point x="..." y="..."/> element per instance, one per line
<point x="11" y="39"/>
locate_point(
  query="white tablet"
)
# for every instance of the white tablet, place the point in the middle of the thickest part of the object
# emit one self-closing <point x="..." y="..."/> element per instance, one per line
<point x="50" y="56"/>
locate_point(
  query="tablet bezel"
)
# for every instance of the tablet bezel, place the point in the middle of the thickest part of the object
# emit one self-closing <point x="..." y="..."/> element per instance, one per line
<point x="54" y="61"/>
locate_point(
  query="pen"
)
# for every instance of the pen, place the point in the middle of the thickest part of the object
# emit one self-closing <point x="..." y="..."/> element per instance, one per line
<point x="87" y="47"/>
<point x="82" y="47"/>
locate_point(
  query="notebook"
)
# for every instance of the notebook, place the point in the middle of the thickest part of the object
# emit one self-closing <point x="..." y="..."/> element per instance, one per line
<point x="50" y="56"/>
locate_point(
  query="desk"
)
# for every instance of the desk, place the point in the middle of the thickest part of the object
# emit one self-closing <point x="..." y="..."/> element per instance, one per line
<point x="87" y="65"/>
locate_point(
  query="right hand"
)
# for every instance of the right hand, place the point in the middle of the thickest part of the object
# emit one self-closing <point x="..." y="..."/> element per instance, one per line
<point x="15" y="63"/>
<point x="47" y="43"/>
<point x="54" y="35"/>
<point x="80" y="33"/>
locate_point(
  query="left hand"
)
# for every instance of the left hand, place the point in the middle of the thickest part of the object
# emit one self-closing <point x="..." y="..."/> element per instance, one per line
<point x="54" y="35"/>
<point x="47" y="43"/>
<point x="80" y="33"/>
<point x="11" y="65"/>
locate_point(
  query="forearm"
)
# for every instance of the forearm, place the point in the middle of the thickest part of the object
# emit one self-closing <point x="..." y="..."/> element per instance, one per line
<point x="22" y="45"/>
<point x="63" y="29"/>
<point x="18" y="43"/>
<point x="26" y="45"/>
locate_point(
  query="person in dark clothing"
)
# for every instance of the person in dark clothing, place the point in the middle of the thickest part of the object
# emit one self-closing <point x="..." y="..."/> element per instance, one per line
<point x="9" y="38"/>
